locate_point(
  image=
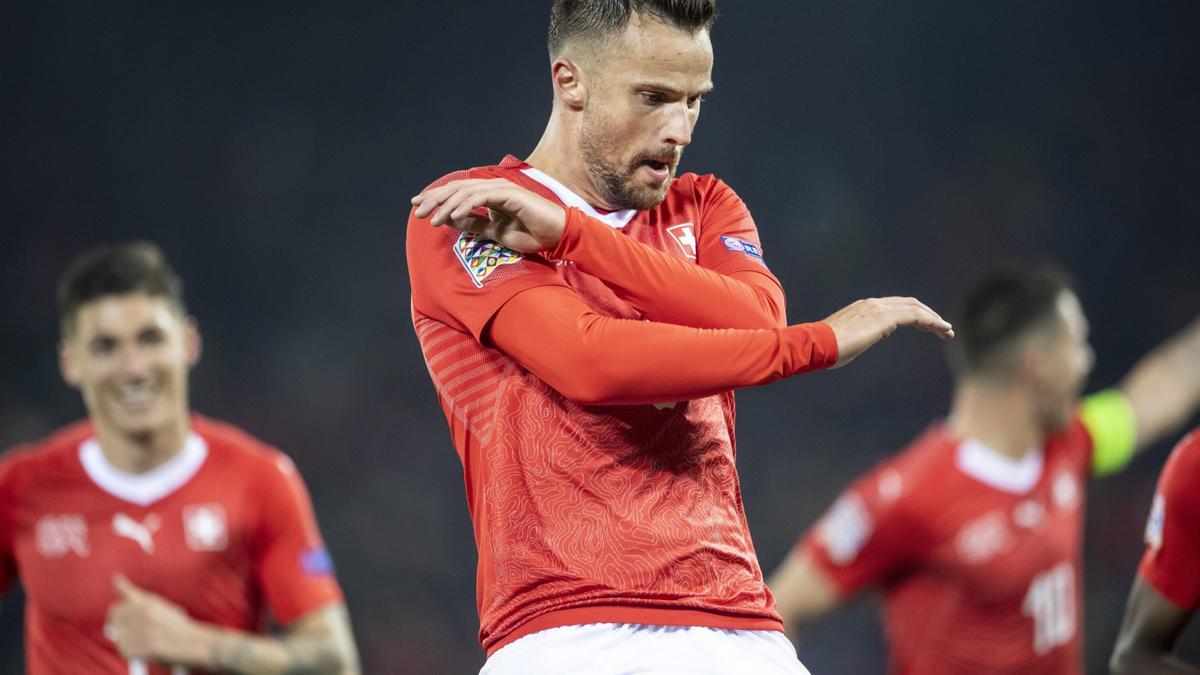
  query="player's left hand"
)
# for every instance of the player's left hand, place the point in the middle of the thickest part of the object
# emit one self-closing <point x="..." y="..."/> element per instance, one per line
<point x="517" y="218"/>
<point x="149" y="627"/>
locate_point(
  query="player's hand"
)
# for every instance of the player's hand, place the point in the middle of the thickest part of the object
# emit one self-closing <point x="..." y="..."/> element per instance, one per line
<point x="517" y="218"/>
<point x="150" y="628"/>
<point x="860" y="325"/>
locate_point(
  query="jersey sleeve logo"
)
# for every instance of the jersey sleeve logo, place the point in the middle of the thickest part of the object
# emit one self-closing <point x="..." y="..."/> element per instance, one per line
<point x="482" y="256"/>
<point x="316" y="562"/>
<point x="1154" y="525"/>
<point x="846" y="528"/>
<point x="742" y="246"/>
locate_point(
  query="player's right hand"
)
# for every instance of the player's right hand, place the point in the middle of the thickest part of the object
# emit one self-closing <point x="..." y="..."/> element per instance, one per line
<point x="860" y="325"/>
<point x="517" y="218"/>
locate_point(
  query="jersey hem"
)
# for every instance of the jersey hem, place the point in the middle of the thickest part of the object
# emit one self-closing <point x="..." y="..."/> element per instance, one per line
<point x="641" y="615"/>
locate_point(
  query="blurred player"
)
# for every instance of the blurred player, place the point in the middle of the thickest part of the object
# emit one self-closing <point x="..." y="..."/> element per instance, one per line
<point x="973" y="534"/>
<point x="149" y="539"/>
<point x="585" y="317"/>
<point x="1167" y="589"/>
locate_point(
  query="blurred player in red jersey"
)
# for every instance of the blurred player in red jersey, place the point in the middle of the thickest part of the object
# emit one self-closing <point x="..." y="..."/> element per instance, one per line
<point x="585" y="315"/>
<point x="1167" y="589"/>
<point x="973" y="534"/>
<point x="150" y="539"/>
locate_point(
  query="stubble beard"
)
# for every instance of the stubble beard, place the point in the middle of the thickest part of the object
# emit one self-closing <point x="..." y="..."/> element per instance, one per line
<point x="618" y="186"/>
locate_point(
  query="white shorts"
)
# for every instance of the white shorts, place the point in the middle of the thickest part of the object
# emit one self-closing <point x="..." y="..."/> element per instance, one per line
<point x="630" y="648"/>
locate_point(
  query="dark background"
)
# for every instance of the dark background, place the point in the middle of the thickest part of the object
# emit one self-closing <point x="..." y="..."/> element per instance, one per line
<point x="884" y="148"/>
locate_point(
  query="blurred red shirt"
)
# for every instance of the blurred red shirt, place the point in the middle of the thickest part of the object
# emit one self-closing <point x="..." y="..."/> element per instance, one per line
<point x="225" y="529"/>
<point x="1171" y="563"/>
<point x="978" y="556"/>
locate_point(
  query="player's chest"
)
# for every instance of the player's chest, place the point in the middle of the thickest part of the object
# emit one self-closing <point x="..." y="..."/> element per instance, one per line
<point x="67" y="555"/>
<point x="997" y="545"/>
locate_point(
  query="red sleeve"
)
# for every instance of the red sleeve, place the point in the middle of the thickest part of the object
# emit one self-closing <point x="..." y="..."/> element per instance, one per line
<point x="729" y="286"/>
<point x="867" y="535"/>
<point x="599" y="360"/>
<point x="1171" y="563"/>
<point x="461" y="279"/>
<point x="292" y="565"/>
<point x="8" y="514"/>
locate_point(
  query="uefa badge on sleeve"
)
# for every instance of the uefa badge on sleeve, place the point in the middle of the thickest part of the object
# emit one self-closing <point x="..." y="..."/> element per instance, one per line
<point x="482" y="256"/>
<point x="316" y="562"/>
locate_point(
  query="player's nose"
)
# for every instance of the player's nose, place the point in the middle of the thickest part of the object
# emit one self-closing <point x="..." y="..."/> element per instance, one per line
<point x="678" y="129"/>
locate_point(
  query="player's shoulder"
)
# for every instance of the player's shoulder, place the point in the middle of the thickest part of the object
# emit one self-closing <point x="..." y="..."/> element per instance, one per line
<point x="501" y="170"/>
<point x="702" y="188"/>
<point x="48" y="453"/>
<point x="236" y="450"/>
<point x="1184" y="463"/>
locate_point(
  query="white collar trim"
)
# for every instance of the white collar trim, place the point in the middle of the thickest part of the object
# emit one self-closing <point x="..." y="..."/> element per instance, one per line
<point x="999" y="471"/>
<point x="149" y="487"/>
<point x="616" y="219"/>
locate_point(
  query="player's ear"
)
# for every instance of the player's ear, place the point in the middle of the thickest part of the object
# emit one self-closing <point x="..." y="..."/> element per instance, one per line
<point x="569" y="86"/>
<point x="193" y="345"/>
<point x="67" y="364"/>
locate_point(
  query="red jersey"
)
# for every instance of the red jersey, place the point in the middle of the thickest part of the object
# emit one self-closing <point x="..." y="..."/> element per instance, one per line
<point x="1172" y="560"/>
<point x="225" y="529"/>
<point x="978" y="556"/>
<point x="606" y="513"/>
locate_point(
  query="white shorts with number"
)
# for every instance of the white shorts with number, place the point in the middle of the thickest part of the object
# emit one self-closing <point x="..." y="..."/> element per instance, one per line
<point x="629" y="649"/>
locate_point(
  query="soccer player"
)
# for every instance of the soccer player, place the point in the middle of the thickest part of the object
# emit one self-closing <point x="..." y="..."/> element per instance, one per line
<point x="1167" y="589"/>
<point x="585" y="315"/>
<point x="149" y="539"/>
<point x="973" y="533"/>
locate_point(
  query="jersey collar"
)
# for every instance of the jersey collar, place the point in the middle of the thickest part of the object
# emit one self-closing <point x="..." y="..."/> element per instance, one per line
<point x="614" y="219"/>
<point x="999" y="471"/>
<point x="144" y="488"/>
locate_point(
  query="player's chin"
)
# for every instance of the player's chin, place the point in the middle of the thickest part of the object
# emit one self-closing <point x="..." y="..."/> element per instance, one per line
<point x="648" y="195"/>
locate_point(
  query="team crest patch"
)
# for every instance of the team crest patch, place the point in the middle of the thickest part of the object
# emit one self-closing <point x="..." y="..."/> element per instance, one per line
<point x="741" y="246"/>
<point x="685" y="236"/>
<point x="482" y="256"/>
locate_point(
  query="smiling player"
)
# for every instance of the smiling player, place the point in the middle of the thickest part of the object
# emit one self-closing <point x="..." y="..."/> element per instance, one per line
<point x="150" y="539"/>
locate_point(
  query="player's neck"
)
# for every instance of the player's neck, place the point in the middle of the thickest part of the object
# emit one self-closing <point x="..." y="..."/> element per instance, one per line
<point x="139" y="453"/>
<point x="558" y="156"/>
<point x="1001" y="417"/>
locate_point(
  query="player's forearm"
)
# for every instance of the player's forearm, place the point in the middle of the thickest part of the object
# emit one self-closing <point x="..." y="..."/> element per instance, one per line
<point x="1164" y="387"/>
<point x="598" y="360"/>
<point x="324" y="649"/>
<point x="1132" y="661"/>
<point x="667" y="288"/>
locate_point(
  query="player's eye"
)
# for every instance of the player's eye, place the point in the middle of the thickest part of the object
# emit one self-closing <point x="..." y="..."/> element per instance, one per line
<point x="694" y="101"/>
<point x="151" y="336"/>
<point x="652" y="98"/>
<point x="102" y="345"/>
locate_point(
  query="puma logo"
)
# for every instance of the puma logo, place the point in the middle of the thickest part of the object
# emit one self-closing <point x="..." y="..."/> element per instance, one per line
<point x="142" y="533"/>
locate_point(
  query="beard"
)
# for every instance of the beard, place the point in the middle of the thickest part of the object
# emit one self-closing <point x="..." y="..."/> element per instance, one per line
<point x="617" y="182"/>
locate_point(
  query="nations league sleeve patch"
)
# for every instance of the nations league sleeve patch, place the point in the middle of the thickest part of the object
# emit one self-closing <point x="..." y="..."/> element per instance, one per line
<point x="482" y="256"/>
<point x="316" y="562"/>
<point x="741" y="246"/>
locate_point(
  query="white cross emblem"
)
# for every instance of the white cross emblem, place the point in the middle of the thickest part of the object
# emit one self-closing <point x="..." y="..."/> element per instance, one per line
<point x="205" y="526"/>
<point x="685" y="236"/>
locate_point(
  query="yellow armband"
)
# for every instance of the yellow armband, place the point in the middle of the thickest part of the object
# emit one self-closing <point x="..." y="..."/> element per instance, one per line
<point x="1109" y="419"/>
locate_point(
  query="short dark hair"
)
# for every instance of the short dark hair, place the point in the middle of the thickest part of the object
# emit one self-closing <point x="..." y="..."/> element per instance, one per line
<point x="115" y="269"/>
<point x="1001" y="308"/>
<point x="598" y="19"/>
